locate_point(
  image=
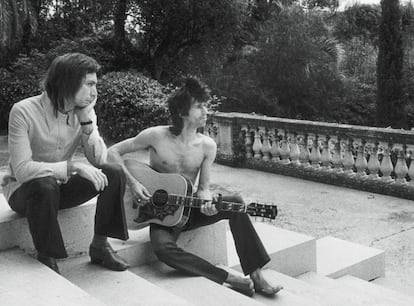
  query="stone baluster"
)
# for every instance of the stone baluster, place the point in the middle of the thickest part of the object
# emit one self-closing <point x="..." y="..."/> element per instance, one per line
<point x="386" y="164"/>
<point x="337" y="154"/>
<point x="257" y="144"/>
<point x="348" y="160"/>
<point x="315" y="155"/>
<point x="373" y="162"/>
<point x="266" y="144"/>
<point x="294" y="148"/>
<point x="248" y="141"/>
<point x="304" y="150"/>
<point x="284" y="149"/>
<point x="410" y="151"/>
<point x="275" y="149"/>
<point x="326" y="157"/>
<point x="361" y="163"/>
<point x="401" y="168"/>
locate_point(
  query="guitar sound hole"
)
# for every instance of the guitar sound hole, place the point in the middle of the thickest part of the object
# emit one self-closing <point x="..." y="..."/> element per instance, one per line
<point x="160" y="198"/>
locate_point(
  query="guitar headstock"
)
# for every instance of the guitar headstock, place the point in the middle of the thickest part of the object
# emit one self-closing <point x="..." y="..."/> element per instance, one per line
<point x="268" y="211"/>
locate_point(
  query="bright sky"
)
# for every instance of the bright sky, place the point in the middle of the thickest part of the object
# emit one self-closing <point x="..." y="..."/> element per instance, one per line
<point x="343" y="3"/>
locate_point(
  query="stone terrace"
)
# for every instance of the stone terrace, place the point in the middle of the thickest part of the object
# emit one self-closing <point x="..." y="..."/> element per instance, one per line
<point x="319" y="210"/>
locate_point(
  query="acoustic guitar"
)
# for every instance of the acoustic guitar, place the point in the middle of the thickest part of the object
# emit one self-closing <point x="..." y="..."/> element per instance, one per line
<point x="172" y="200"/>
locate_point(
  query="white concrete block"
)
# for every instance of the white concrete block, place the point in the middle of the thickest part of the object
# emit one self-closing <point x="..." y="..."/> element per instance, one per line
<point x="291" y="253"/>
<point x="336" y="257"/>
<point x="209" y="242"/>
<point x="25" y="281"/>
<point x="76" y="224"/>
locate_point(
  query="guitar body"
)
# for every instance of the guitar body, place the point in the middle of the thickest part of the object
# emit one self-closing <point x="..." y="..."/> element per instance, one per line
<point x="158" y="209"/>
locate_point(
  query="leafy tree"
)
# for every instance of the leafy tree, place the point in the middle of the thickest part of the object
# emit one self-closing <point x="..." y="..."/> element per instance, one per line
<point x="17" y="24"/>
<point x="173" y="29"/>
<point x="358" y="20"/>
<point x="390" y="105"/>
<point x="297" y="62"/>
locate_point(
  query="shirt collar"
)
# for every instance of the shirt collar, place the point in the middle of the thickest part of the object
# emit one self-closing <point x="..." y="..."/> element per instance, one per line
<point x="50" y="114"/>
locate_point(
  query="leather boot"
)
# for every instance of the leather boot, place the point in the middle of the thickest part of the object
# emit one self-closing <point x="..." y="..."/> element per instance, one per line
<point x="106" y="257"/>
<point x="48" y="261"/>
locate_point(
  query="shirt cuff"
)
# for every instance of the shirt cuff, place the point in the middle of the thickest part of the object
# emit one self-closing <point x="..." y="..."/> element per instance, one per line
<point x="60" y="169"/>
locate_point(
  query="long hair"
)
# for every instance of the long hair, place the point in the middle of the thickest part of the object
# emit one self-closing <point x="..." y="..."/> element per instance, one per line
<point x="65" y="75"/>
<point x="179" y="103"/>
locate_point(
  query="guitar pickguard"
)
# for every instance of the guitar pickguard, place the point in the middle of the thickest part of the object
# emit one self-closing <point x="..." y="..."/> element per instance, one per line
<point x="149" y="211"/>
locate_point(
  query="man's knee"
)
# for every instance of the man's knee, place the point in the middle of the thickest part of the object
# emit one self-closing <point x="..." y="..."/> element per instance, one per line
<point x="164" y="251"/>
<point x="113" y="172"/>
<point x="43" y="193"/>
<point x="43" y="187"/>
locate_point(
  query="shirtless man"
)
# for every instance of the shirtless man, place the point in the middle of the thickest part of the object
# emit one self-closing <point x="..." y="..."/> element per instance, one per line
<point x="181" y="149"/>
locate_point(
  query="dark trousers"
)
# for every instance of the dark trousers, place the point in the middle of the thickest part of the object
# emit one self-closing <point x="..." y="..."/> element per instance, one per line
<point x="250" y="249"/>
<point x="41" y="198"/>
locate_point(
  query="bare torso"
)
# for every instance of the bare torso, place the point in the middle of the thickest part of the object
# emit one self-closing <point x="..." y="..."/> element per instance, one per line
<point x="168" y="154"/>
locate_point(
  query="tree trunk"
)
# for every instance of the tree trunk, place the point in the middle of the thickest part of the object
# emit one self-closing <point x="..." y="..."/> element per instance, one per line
<point x="119" y="27"/>
<point x="390" y="103"/>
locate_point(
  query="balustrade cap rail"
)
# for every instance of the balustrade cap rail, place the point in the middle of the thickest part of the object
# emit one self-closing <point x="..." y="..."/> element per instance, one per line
<point x="316" y="127"/>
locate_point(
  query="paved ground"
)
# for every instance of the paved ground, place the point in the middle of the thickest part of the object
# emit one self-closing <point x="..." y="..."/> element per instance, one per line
<point x="319" y="210"/>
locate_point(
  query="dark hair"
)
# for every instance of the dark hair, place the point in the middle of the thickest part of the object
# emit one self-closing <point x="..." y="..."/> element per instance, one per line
<point x="65" y="75"/>
<point x="179" y="103"/>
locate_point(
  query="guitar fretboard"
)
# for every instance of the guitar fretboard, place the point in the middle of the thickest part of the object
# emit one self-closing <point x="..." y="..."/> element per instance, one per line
<point x="196" y="203"/>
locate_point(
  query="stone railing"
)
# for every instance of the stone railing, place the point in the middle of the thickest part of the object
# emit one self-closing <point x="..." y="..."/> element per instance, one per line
<point x="367" y="158"/>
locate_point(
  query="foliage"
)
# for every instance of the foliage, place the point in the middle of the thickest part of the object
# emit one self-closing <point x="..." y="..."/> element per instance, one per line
<point x="390" y="105"/>
<point x="322" y="4"/>
<point x="17" y="23"/>
<point x="20" y="82"/>
<point x="354" y="104"/>
<point x="296" y="62"/>
<point x="96" y="46"/>
<point x="177" y="34"/>
<point x="358" y="60"/>
<point x="358" y="20"/>
<point x="128" y="103"/>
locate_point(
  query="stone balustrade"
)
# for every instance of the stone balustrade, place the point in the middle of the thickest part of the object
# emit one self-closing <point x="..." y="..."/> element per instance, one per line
<point x="367" y="158"/>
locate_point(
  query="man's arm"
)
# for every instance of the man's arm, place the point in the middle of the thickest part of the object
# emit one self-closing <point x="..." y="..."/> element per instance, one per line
<point x="140" y="142"/>
<point x="203" y="191"/>
<point x="24" y="167"/>
<point x="92" y="143"/>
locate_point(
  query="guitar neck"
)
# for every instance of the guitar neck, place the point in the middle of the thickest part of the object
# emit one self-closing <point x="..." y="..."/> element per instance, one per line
<point x="196" y="203"/>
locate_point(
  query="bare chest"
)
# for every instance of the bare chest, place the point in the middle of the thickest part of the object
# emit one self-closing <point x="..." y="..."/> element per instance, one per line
<point x="177" y="158"/>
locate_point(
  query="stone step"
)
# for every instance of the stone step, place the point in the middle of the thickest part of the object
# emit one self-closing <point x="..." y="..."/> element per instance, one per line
<point x="396" y="283"/>
<point x="196" y="290"/>
<point x="25" y="281"/>
<point x="292" y="292"/>
<point x="336" y="257"/>
<point x="345" y="294"/>
<point x="291" y="253"/>
<point x="116" y="288"/>
<point x="76" y="224"/>
<point x="305" y="290"/>
<point x="383" y="295"/>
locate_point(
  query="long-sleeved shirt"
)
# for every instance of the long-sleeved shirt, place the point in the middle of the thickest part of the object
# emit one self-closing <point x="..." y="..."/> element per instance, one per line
<point x="41" y="143"/>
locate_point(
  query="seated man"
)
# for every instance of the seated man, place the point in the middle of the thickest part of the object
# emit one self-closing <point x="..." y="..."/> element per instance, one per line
<point x="44" y="132"/>
<point x="181" y="149"/>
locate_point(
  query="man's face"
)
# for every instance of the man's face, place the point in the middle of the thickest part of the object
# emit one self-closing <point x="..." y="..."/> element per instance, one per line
<point x="197" y="114"/>
<point x="87" y="92"/>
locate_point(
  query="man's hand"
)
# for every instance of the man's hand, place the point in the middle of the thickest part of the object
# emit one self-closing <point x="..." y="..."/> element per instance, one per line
<point x="95" y="175"/>
<point x="140" y="194"/>
<point x="209" y="209"/>
<point x="83" y="113"/>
